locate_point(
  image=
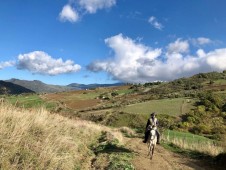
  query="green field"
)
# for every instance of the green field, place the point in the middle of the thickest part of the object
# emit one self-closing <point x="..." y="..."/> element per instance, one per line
<point x="124" y="91"/>
<point x="220" y="82"/>
<point x="189" y="137"/>
<point x="29" y="101"/>
<point x="190" y="144"/>
<point x="172" y="107"/>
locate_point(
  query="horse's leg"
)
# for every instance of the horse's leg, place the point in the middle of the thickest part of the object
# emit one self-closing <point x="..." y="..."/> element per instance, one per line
<point x="152" y="153"/>
<point x="149" y="148"/>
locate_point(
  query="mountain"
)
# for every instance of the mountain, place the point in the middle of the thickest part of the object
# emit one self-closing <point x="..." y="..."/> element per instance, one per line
<point x="92" y="86"/>
<point x="38" y="86"/>
<point x="11" y="88"/>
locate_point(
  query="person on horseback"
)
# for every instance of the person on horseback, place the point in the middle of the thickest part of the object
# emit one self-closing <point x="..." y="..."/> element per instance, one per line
<point x="152" y="122"/>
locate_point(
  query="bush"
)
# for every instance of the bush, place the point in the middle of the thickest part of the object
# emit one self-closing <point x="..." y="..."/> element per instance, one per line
<point x="224" y="108"/>
<point x="114" y="94"/>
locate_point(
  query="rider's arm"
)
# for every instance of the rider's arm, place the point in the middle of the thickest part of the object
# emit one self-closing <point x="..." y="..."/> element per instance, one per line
<point x="148" y="123"/>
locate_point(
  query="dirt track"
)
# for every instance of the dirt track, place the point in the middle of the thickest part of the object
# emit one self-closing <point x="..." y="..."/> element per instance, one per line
<point x="162" y="160"/>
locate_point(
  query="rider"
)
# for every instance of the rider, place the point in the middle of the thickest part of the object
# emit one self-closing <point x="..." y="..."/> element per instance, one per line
<point x="153" y="122"/>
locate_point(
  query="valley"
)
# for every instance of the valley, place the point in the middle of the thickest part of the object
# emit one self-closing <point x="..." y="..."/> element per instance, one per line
<point x="186" y="108"/>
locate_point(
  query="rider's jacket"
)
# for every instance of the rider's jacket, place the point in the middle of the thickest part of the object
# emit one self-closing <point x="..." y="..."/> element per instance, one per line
<point x="153" y="122"/>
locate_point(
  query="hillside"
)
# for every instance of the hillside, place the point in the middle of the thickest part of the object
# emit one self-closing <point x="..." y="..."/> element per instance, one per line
<point x="189" y="118"/>
<point x="38" y="86"/>
<point x="11" y="88"/>
<point x="189" y="87"/>
<point x="36" y="139"/>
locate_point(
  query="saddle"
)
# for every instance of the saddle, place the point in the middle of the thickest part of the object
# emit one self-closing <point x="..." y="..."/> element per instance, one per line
<point x="149" y="128"/>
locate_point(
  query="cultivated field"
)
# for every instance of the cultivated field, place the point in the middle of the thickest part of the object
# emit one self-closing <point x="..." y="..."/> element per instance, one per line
<point x="84" y="99"/>
<point x="172" y="107"/>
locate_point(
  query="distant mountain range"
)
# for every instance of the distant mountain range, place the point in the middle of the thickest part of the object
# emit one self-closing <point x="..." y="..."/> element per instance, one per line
<point x="16" y="86"/>
<point x="91" y="86"/>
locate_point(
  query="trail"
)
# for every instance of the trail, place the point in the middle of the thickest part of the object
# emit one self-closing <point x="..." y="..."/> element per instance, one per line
<point x="162" y="159"/>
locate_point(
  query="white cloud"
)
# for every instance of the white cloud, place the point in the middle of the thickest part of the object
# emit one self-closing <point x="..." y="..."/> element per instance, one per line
<point x="154" y="22"/>
<point x="136" y="63"/>
<point x="178" y="46"/>
<point x="203" y="40"/>
<point x="200" y="41"/>
<point x="129" y="59"/>
<point x="6" y="64"/>
<point x="91" y="6"/>
<point x="217" y="59"/>
<point x="68" y="13"/>
<point x="39" y="62"/>
<point x="76" y="8"/>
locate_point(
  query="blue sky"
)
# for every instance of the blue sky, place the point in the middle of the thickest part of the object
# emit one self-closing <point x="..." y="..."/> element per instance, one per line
<point x="108" y="41"/>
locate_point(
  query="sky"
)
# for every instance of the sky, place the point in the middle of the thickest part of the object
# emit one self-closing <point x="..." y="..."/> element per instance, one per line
<point x="109" y="41"/>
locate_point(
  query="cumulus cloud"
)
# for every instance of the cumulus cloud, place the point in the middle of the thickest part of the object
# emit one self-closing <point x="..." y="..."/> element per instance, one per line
<point x="136" y="63"/>
<point x="76" y="8"/>
<point x="216" y="59"/>
<point x="6" y="64"/>
<point x="154" y="22"/>
<point x="39" y="62"/>
<point x="91" y="6"/>
<point x="179" y="46"/>
<point x="129" y="59"/>
<point x="68" y="13"/>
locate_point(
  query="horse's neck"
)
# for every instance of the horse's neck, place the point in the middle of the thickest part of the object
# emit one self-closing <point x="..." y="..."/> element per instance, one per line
<point x="153" y="132"/>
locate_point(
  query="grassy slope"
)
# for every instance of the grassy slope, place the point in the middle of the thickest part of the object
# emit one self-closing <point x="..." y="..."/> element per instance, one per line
<point x="192" y="142"/>
<point x="30" y="101"/>
<point x="40" y="140"/>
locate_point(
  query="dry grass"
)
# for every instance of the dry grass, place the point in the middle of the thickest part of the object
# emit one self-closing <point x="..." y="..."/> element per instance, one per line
<point x="206" y="147"/>
<point x="128" y="131"/>
<point x="39" y="140"/>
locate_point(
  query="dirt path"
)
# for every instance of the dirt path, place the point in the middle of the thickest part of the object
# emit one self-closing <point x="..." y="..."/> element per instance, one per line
<point x="162" y="160"/>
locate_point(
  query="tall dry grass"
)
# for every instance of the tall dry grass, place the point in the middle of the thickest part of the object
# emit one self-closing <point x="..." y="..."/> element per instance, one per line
<point x="39" y="140"/>
<point x="206" y="147"/>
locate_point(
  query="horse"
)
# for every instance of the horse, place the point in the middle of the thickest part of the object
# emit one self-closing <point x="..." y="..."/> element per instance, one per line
<point x="152" y="140"/>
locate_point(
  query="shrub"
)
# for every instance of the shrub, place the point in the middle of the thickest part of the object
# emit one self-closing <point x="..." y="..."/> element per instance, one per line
<point x="224" y="108"/>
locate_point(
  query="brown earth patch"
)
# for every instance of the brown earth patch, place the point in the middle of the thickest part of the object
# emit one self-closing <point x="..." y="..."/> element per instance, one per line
<point x="215" y="87"/>
<point x="82" y="104"/>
